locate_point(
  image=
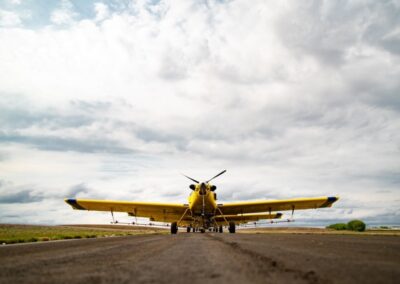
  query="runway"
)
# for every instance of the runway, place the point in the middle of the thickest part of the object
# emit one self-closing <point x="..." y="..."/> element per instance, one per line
<point x="206" y="258"/>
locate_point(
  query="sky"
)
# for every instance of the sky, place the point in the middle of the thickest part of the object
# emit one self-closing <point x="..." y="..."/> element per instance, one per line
<point x="116" y="99"/>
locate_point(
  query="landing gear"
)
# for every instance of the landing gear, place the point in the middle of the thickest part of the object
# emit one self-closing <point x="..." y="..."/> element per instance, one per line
<point x="174" y="228"/>
<point x="202" y="231"/>
<point x="194" y="229"/>
<point x="232" y="227"/>
<point x="221" y="230"/>
<point x="188" y="229"/>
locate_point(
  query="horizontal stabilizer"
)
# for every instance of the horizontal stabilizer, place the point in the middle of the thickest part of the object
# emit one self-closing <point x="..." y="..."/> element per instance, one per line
<point x="244" y="218"/>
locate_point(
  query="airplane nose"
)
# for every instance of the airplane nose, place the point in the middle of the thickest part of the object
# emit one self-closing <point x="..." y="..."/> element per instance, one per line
<point x="203" y="188"/>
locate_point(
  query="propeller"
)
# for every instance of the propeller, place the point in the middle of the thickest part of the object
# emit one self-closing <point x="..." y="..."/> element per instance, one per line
<point x="191" y="178"/>
<point x="216" y="176"/>
<point x="196" y="181"/>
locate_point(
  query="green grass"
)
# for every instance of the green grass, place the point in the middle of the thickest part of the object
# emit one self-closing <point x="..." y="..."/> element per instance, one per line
<point x="338" y="226"/>
<point x="11" y="234"/>
<point x="354" y="225"/>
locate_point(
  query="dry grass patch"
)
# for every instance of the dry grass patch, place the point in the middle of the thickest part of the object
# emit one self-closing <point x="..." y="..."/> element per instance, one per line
<point x="11" y="234"/>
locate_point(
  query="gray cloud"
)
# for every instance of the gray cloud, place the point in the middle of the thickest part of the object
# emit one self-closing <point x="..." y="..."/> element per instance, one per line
<point x="24" y="196"/>
<point x="326" y="30"/>
<point x="15" y="113"/>
<point x="86" y="145"/>
<point x="12" y="193"/>
<point x="77" y="189"/>
<point x="390" y="218"/>
<point x="91" y="106"/>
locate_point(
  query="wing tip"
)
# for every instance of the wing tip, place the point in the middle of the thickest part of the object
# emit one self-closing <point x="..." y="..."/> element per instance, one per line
<point x="333" y="199"/>
<point x="330" y="201"/>
<point x="74" y="203"/>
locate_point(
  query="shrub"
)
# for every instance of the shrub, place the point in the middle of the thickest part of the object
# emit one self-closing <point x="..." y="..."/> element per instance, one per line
<point x="356" y="225"/>
<point x="338" y="226"/>
<point x="90" y="236"/>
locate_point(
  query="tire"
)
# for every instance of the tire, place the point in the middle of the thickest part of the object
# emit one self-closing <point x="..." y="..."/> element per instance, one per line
<point x="194" y="230"/>
<point x="202" y="231"/>
<point x="188" y="229"/>
<point x="174" y="228"/>
<point x="221" y="230"/>
<point x="232" y="227"/>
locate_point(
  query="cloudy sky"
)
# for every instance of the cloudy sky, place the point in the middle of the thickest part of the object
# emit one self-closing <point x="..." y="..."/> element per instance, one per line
<point x="115" y="99"/>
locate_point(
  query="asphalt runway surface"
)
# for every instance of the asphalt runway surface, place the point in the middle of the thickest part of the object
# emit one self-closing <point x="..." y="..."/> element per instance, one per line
<point x="206" y="258"/>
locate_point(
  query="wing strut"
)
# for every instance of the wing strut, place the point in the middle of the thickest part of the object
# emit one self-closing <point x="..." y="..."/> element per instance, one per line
<point x="292" y="212"/>
<point x="183" y="215"/>
<point x="223" y="216"/>
<point x="136" y="215"/>
<point x="112" y="216"/>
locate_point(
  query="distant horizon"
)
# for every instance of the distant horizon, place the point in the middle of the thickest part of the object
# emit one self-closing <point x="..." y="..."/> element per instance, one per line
<point x="300" y="224"/>
<point x="249" y="225"/>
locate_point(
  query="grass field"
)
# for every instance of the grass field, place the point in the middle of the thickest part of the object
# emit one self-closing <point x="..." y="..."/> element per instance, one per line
<point x="11" y="234"/>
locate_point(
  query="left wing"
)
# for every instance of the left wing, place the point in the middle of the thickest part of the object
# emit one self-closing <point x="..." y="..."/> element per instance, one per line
<point x="163" y="212"/>
<point x="276" y="205"/>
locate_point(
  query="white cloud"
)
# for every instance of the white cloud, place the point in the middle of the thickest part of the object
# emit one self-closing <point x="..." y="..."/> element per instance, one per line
<point x="9" y="19"/>
<point x="102" y="11"/>
<point x="15" y="2"/>
<point x="65" y="14"/>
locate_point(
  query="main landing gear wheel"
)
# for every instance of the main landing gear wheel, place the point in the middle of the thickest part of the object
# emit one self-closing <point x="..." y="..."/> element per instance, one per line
<point x="188" y="229"/>
<point x="202" y="230"/>
<point x="174" y="228"/>
<point x="221" y="230"/>
<point x="232" y="227"/>
<point x="194" y="230"/>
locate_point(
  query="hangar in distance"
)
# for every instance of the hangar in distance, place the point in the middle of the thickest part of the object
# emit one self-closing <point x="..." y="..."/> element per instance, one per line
<point x="202" y="211"/>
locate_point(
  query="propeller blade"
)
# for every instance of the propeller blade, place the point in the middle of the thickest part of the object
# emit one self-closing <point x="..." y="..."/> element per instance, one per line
<point x="216" y="176"/>
<point x="192" y="179"/>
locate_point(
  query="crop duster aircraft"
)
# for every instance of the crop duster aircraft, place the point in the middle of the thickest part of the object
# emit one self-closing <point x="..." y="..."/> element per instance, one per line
<point x="203" y="212"/>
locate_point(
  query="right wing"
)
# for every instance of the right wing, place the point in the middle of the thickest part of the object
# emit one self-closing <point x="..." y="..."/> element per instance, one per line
<point x="163" y="212"/>
<point x="277" y="205"/>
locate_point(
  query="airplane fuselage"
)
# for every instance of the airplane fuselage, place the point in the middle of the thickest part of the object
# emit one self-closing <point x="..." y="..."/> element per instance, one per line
<point x="202" y="204"/>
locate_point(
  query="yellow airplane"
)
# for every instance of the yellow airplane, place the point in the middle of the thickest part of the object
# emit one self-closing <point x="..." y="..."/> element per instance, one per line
<point x="203" y="212"/>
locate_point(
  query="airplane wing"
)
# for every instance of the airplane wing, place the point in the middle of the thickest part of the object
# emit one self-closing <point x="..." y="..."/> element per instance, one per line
<point x="244" y="218"/>
<point x="276" y="205"/>
<point x="163" y="212"/>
